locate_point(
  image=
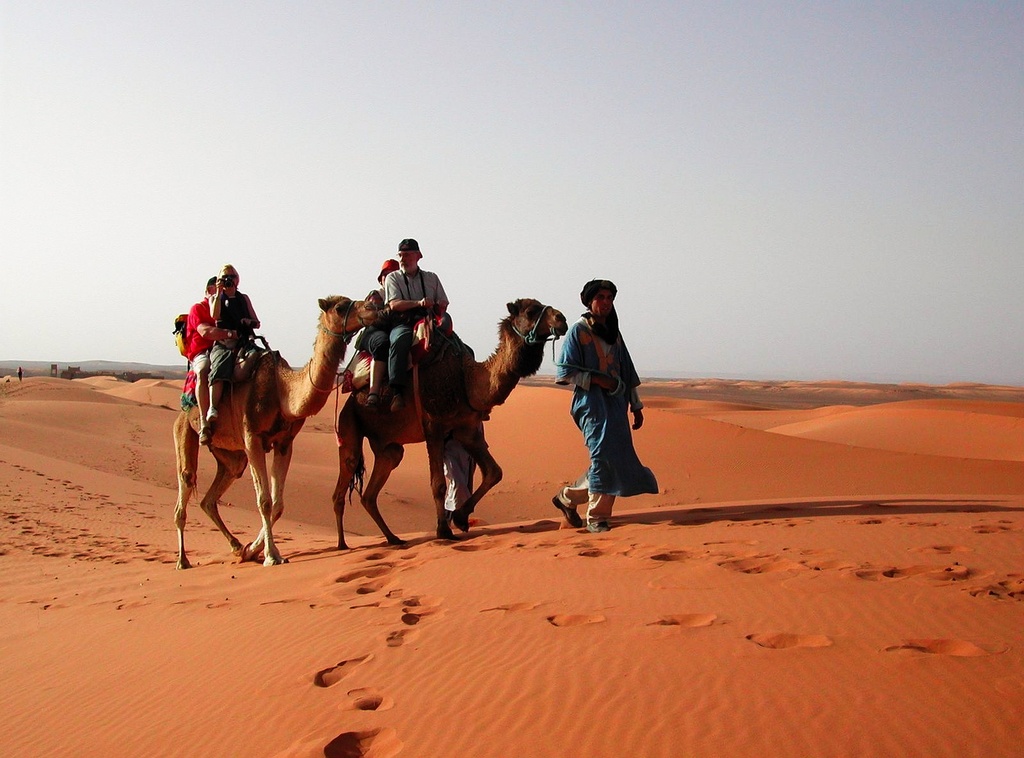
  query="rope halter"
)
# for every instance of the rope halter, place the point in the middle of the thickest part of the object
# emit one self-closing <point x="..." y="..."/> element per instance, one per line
<point x="531" y="338"/>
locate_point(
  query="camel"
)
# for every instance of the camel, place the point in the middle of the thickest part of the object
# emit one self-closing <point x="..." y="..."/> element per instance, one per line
<point x="456" y="394"/>
<point x="261" y="414"/>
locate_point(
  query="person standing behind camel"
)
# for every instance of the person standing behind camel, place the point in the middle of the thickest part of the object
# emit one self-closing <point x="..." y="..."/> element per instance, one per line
<point x="233" y="312"/>
<point x="596" y="362"/>
<point x="200" y="334"/>
<point x="411" y="293"/>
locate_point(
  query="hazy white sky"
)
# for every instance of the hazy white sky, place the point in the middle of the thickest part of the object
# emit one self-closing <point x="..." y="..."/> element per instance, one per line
<point x="779" y="189"/>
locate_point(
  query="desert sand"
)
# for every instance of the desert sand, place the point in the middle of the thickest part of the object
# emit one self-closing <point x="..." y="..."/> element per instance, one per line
<point x="829" y="569"/>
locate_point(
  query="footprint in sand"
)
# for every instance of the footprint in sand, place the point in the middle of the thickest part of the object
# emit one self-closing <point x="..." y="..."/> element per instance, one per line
<point x="370" y="572"/>
<point x="473" y="547"/>
<point x="366" y="699"/>
<point x="510" y="607"/>
<point x="570" y="619"/>
<point x="399" y="637"/>
<point x="1011" y="588"/>
<point x="955" y="648"/>
<point x="1002" y="526"/>
<point x="331" y="675"/>
<point x="763" y="564"/>
<point x="882" y="573"/>
<point x="941" y="549"/>
<point x="671" y="556"/>
<point x="784" y="641"/>
<point x="370" y="743"/>
<point x="688" y="620"/>
<point x="415" y="609"/>
<point x="954" y="573"/>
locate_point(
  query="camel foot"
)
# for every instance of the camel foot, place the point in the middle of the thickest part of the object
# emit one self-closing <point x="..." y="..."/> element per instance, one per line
<point x="342" y="545"/>
<point x="395" y="540"/>
<point x="444" y="532"/>
<point x="248" y="553"/>
<point x="272" y="560"/>
<point x="460" y="519"/>
<point x="182" y="564"/>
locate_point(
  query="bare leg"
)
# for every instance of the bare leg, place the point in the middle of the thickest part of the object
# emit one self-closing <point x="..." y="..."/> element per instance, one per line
<point x="378" y="370"/>
<point x="216" y="390"/>
<point x="203" y="394"/>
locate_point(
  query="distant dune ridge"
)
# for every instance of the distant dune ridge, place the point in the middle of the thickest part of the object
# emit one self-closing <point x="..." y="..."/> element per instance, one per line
<point x="829" y="569"/>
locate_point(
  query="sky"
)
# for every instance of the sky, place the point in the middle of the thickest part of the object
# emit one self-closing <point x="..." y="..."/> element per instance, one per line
<point x="779" y="190"/>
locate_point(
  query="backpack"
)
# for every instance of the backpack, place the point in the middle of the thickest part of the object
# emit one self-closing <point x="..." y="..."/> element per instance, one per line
<point x="180" y="338"/>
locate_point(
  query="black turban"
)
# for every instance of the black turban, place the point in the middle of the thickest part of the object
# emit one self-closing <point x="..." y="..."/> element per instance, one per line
<point x="591" y="288"/>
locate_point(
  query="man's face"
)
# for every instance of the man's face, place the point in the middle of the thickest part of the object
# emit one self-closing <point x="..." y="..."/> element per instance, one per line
<point x="602" y="303"/>
<point x="408" y="259"/>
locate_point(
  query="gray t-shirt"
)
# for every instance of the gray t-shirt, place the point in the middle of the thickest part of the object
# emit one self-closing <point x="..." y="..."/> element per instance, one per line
<point x="422" y="284"/>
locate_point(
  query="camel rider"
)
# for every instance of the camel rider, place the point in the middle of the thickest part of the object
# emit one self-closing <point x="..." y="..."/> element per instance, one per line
<point x="375" y="339"/>
<point x="412" y="294"/>
<point x="233" y="312"/>
<point x="201" y="333"/>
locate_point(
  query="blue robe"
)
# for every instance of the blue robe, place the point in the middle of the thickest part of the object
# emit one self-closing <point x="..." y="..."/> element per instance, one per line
<point x="615" y="468"/>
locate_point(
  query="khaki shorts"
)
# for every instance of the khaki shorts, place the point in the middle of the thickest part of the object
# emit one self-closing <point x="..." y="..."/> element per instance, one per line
<point x="201" y="363"/>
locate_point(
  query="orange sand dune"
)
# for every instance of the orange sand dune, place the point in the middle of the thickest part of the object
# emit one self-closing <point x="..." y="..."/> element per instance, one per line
<point x="782" y="595"/>
<point x="969" y="431"/>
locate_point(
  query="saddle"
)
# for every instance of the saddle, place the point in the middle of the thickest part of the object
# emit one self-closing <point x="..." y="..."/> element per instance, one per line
<point x="426" y="346"/>
<point x="246" y="361"/>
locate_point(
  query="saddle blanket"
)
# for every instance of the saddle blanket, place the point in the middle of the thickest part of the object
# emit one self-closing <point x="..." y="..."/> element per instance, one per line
<point x="357" y="373"/>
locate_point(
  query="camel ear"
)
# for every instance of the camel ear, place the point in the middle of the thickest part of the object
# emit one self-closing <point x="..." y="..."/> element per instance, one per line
<point x="324" y="305"/>
<point x="513" y="308"/>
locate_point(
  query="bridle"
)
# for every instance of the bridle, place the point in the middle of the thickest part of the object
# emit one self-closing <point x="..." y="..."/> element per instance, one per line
<point x="531" y="338"/>
<point x="345" y="337"/>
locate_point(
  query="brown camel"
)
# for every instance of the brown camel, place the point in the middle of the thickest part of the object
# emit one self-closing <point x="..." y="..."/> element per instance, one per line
<point x="261" y="414"/>
<point x="456" y="394"/>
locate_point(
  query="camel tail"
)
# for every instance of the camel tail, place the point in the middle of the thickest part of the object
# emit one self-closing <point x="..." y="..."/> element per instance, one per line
<point x="356" y="483"/>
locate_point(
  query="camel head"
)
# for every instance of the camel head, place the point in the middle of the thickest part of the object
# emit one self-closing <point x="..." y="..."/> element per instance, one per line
<point x="535" y="322"/>
<point x="343" y="317"/>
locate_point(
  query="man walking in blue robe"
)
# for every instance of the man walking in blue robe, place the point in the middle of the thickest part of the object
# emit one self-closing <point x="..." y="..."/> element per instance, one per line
<point x="596" y="362"/>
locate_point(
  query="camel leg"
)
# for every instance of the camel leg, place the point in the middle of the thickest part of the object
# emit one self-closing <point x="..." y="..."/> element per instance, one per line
<point x="438" y="486"/>
<point x="278" y="475"/>
<point x="261" y="483"/>
<point x="230" y="466"/>
<point x="385" y="461"/>
<point x="350" y="462"/>
<point x="490" y="475"/>
<point x="186" y="449"/>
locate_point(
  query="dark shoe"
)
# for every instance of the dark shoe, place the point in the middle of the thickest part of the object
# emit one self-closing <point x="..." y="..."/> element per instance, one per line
<point x="572" y="518"/>
<point x="372" y="400"/>
<point x="596" y="527"/>
<point x="397" y="403"/>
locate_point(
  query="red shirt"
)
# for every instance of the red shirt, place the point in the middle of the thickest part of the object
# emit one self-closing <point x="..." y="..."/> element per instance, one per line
<point x="195" y="343"/>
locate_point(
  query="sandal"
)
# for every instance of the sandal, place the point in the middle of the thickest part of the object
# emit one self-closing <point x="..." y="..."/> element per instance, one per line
<point x="372" y="400"/>
<point x="572" y="518"/>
